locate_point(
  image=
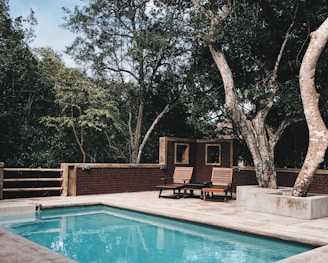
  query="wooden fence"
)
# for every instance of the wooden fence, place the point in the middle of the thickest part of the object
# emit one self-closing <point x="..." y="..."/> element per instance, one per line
<point x="36" y="181"/>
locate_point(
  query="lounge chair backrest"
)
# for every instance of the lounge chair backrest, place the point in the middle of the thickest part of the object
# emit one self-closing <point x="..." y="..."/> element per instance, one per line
<point x="182" y="175"/>
<point x="221" y="176"/>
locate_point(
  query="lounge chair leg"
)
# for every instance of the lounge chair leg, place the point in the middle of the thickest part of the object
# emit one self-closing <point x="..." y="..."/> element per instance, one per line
<point x="160" y="192"/>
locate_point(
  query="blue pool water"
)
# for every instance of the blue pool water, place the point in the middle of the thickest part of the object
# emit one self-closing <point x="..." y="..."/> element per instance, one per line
<point x="105" y="234"/>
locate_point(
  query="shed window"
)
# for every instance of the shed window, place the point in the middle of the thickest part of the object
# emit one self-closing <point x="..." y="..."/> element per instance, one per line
<point x="181" y="153"/>
<point x="213" y="154"/>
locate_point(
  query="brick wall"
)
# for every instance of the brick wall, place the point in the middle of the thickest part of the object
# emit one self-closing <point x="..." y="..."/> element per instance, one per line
<point x="243" y="177"/>
<point x="285" y="177"/>
<point x="319" y="184"/>
<point x="116" y="178"/>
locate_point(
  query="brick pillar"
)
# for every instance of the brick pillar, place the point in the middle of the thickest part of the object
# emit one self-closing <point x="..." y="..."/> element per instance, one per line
<point x="1" y="180"/>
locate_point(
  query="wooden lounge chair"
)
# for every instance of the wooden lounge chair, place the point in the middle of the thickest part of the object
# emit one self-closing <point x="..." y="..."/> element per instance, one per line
<point x="181" y="176"/>
<point x="221" y="182"/>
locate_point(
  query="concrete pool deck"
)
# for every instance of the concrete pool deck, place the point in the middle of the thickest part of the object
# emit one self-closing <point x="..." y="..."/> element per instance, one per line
<point x="231" y="215"/>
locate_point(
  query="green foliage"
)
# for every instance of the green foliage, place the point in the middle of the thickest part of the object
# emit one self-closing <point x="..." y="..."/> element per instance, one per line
<point x="82" y="105"/>
<point x="23" y="96"/>
<point x="251" y="37"/>
<point x="205" y="95"/>
<point x="138" y="46"/>
<point x="149" y="55"/>
<point x="30" y="84"/>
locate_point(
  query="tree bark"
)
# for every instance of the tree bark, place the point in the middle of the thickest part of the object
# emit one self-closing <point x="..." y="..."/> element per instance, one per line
<point x="254" y="131"/>
<point x="318" y="133"/>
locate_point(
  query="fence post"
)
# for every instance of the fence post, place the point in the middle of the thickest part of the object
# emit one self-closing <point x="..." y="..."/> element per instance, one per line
<point x="64" y="175"/>
<point x="1" y="179"/>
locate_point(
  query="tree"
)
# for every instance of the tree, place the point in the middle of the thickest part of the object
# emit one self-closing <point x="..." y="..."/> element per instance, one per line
<point x="318" y="132"/>
<point x="259" y="138"/>
<point x="23" y="98"/>
<point x="255" y="46"/>
<point x="139" y="45"/>
<point x="83" y="106"/>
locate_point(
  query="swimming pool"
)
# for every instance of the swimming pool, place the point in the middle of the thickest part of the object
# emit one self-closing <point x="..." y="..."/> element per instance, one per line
<point x="107" y="234"/>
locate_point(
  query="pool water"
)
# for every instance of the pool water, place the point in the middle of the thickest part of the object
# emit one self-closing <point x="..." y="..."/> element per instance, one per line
<point x="106" y="234"/>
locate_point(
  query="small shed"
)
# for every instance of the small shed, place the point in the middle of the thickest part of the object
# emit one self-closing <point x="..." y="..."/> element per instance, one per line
<point x="202" y="154"/>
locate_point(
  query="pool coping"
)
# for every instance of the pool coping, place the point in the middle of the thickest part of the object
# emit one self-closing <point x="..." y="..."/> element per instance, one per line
<point x="15" y="248"/>
<point x="230" y="215"/>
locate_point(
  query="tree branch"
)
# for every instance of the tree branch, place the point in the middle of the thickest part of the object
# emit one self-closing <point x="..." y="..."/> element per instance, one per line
<point x="166" y="109"/>
<point x="282" y="48"/>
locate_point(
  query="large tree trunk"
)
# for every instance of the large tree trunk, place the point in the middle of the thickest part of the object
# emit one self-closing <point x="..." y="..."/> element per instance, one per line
<point x="259" y="139"/>
<point x="262" y="150"/>
<point x="263" y="158"/>
<point x="318" y="133"/>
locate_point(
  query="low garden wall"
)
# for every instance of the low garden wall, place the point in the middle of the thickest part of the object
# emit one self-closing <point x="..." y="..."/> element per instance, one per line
<point x="118" y="179"/>
<point x="101" y="179"/>
<point x="280" y="202"/>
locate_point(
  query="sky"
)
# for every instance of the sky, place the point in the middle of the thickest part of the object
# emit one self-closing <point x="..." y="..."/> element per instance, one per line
<point x="49" y="16"/>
